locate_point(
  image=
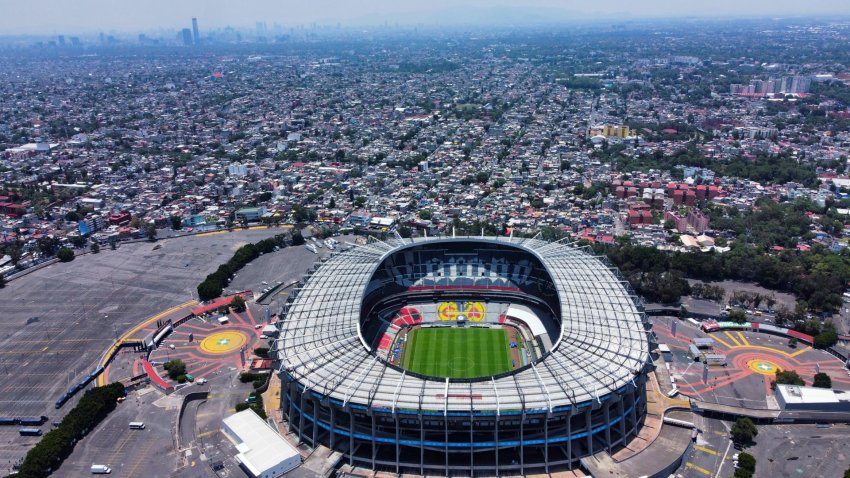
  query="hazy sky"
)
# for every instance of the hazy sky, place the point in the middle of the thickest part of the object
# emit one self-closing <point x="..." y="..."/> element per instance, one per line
<point x="79" y="16"/>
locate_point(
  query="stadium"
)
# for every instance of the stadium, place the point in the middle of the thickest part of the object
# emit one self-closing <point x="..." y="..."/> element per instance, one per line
<point x="464" y="356"/>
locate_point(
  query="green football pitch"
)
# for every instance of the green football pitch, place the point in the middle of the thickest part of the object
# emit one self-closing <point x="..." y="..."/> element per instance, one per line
<point x="457" y="352"/>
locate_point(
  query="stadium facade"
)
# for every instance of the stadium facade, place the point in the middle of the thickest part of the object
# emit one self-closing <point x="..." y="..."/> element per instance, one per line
<point x="580" y="387"/>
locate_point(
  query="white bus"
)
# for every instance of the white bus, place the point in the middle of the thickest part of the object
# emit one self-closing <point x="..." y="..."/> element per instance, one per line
<point x="137" y="425"/>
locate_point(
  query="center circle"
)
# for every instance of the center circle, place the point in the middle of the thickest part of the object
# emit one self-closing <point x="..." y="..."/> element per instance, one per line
<point x="763" y="367"/>
<point x="223" y="342"/>
<point x="461" y="365"/>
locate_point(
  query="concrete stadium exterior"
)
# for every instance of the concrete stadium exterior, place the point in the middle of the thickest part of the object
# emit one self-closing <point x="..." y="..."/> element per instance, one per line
<point x="584" y="393"/>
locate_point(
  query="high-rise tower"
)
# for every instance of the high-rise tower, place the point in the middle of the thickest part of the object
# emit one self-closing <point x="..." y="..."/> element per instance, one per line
<point x="196" y="37"/>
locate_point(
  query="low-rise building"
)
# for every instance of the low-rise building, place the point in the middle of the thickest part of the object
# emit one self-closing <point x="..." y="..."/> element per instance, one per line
<point x="811" y="399"/>
<point x="263" y="453"/>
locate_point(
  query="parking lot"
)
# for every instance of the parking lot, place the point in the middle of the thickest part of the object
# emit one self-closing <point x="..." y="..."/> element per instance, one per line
<point x="284" y="267"/>
<point x="711" y="455"/>
<point x="55" y="323"/>
<point x="130" y="453"/>
<point x="801" y="451"/>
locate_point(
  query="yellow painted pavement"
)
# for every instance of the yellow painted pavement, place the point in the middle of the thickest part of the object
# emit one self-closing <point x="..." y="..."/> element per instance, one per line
<point x="101" y="379"/>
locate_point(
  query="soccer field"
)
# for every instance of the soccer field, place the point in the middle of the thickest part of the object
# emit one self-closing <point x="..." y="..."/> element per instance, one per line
<point x="457" y="352"/>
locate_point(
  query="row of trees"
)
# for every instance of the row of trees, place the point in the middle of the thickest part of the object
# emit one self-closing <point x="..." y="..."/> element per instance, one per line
<point x="214" y="284"/>
<point x="817" y="277"/>
<point x="791" y="377"/>
<point x="766" y="169"/>
<point x="57" y="444"/>
<point x="701" y="290"/>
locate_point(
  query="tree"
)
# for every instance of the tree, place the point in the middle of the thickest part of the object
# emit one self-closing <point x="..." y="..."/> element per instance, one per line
<point x="95" y="248"/>
<point x="150" y="231"/>
<point x="176" y="222"/>
<point x="738" y="315"/>
<point x="822" y="380"/>
<point x="788" y="377"/>
<point x="238" y="304"/>
<point x="825" y="339"/>
<point x="847" y="473"/>
<point x="742" y="473"/>
<point x="208" y="290"/>
<point x="48" y="245"/>
<point x="297" y="238"/>
<point x="302" y="214"/>
<point x="65" y="255"/>
<point x="175" y="368"/>
<point x="743" y="431"/>
<point x="77" y="241"/>
<point x="405" y="232"/>
<point x="792" y="342"/>
<point x="747" y="462"/>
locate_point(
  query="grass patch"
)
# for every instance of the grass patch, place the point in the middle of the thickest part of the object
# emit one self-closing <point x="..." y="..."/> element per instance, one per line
<point x="457" y="352"/>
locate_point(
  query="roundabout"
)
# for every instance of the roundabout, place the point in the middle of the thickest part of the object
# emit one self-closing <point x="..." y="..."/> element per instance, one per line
<point x="223" y="342"/>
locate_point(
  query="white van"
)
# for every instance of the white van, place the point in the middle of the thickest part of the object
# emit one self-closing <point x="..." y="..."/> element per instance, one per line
<point x="137" y="425"/>
<point x="100" y="470"/>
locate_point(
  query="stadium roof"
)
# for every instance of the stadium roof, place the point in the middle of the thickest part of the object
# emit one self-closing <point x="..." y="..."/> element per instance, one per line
<point x="603" y="341"/>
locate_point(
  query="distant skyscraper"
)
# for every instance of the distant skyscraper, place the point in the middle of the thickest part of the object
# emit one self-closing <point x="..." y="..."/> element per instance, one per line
<point x="61" y="39"/>
<point x="187" y="36"/>
<point x="195" y="35"/>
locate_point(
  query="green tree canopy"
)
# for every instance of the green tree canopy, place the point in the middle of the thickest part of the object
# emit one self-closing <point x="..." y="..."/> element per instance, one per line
<point x="743" y="431"/>
<point x="788" y="377"/>
<point x="738" y="315"/>
<point x="238" y="304"/>
<point x="822" y="380"/>
<point x="175" y="368"/>
<point x="65" y="255"/>
<point x="150" y="232"/>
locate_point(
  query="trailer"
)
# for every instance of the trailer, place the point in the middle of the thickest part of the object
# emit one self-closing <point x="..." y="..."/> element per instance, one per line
<point x="100" y="470"/>
<point x="718" y="360"/>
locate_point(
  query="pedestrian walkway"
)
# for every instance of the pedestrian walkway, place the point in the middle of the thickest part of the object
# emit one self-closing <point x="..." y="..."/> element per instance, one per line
<point x="138" y="333"/>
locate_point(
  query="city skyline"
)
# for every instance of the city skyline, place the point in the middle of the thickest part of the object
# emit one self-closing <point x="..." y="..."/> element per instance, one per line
<point x="52" y="17"/>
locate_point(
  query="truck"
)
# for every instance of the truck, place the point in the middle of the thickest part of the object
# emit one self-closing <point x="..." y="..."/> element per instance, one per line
<point x="100" y="470"/>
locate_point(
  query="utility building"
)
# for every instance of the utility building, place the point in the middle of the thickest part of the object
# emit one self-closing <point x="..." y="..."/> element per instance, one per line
<point x="263" y="453"/>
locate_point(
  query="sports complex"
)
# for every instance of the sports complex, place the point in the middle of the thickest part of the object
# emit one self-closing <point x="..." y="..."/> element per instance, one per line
<point x="464" y="356"/>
